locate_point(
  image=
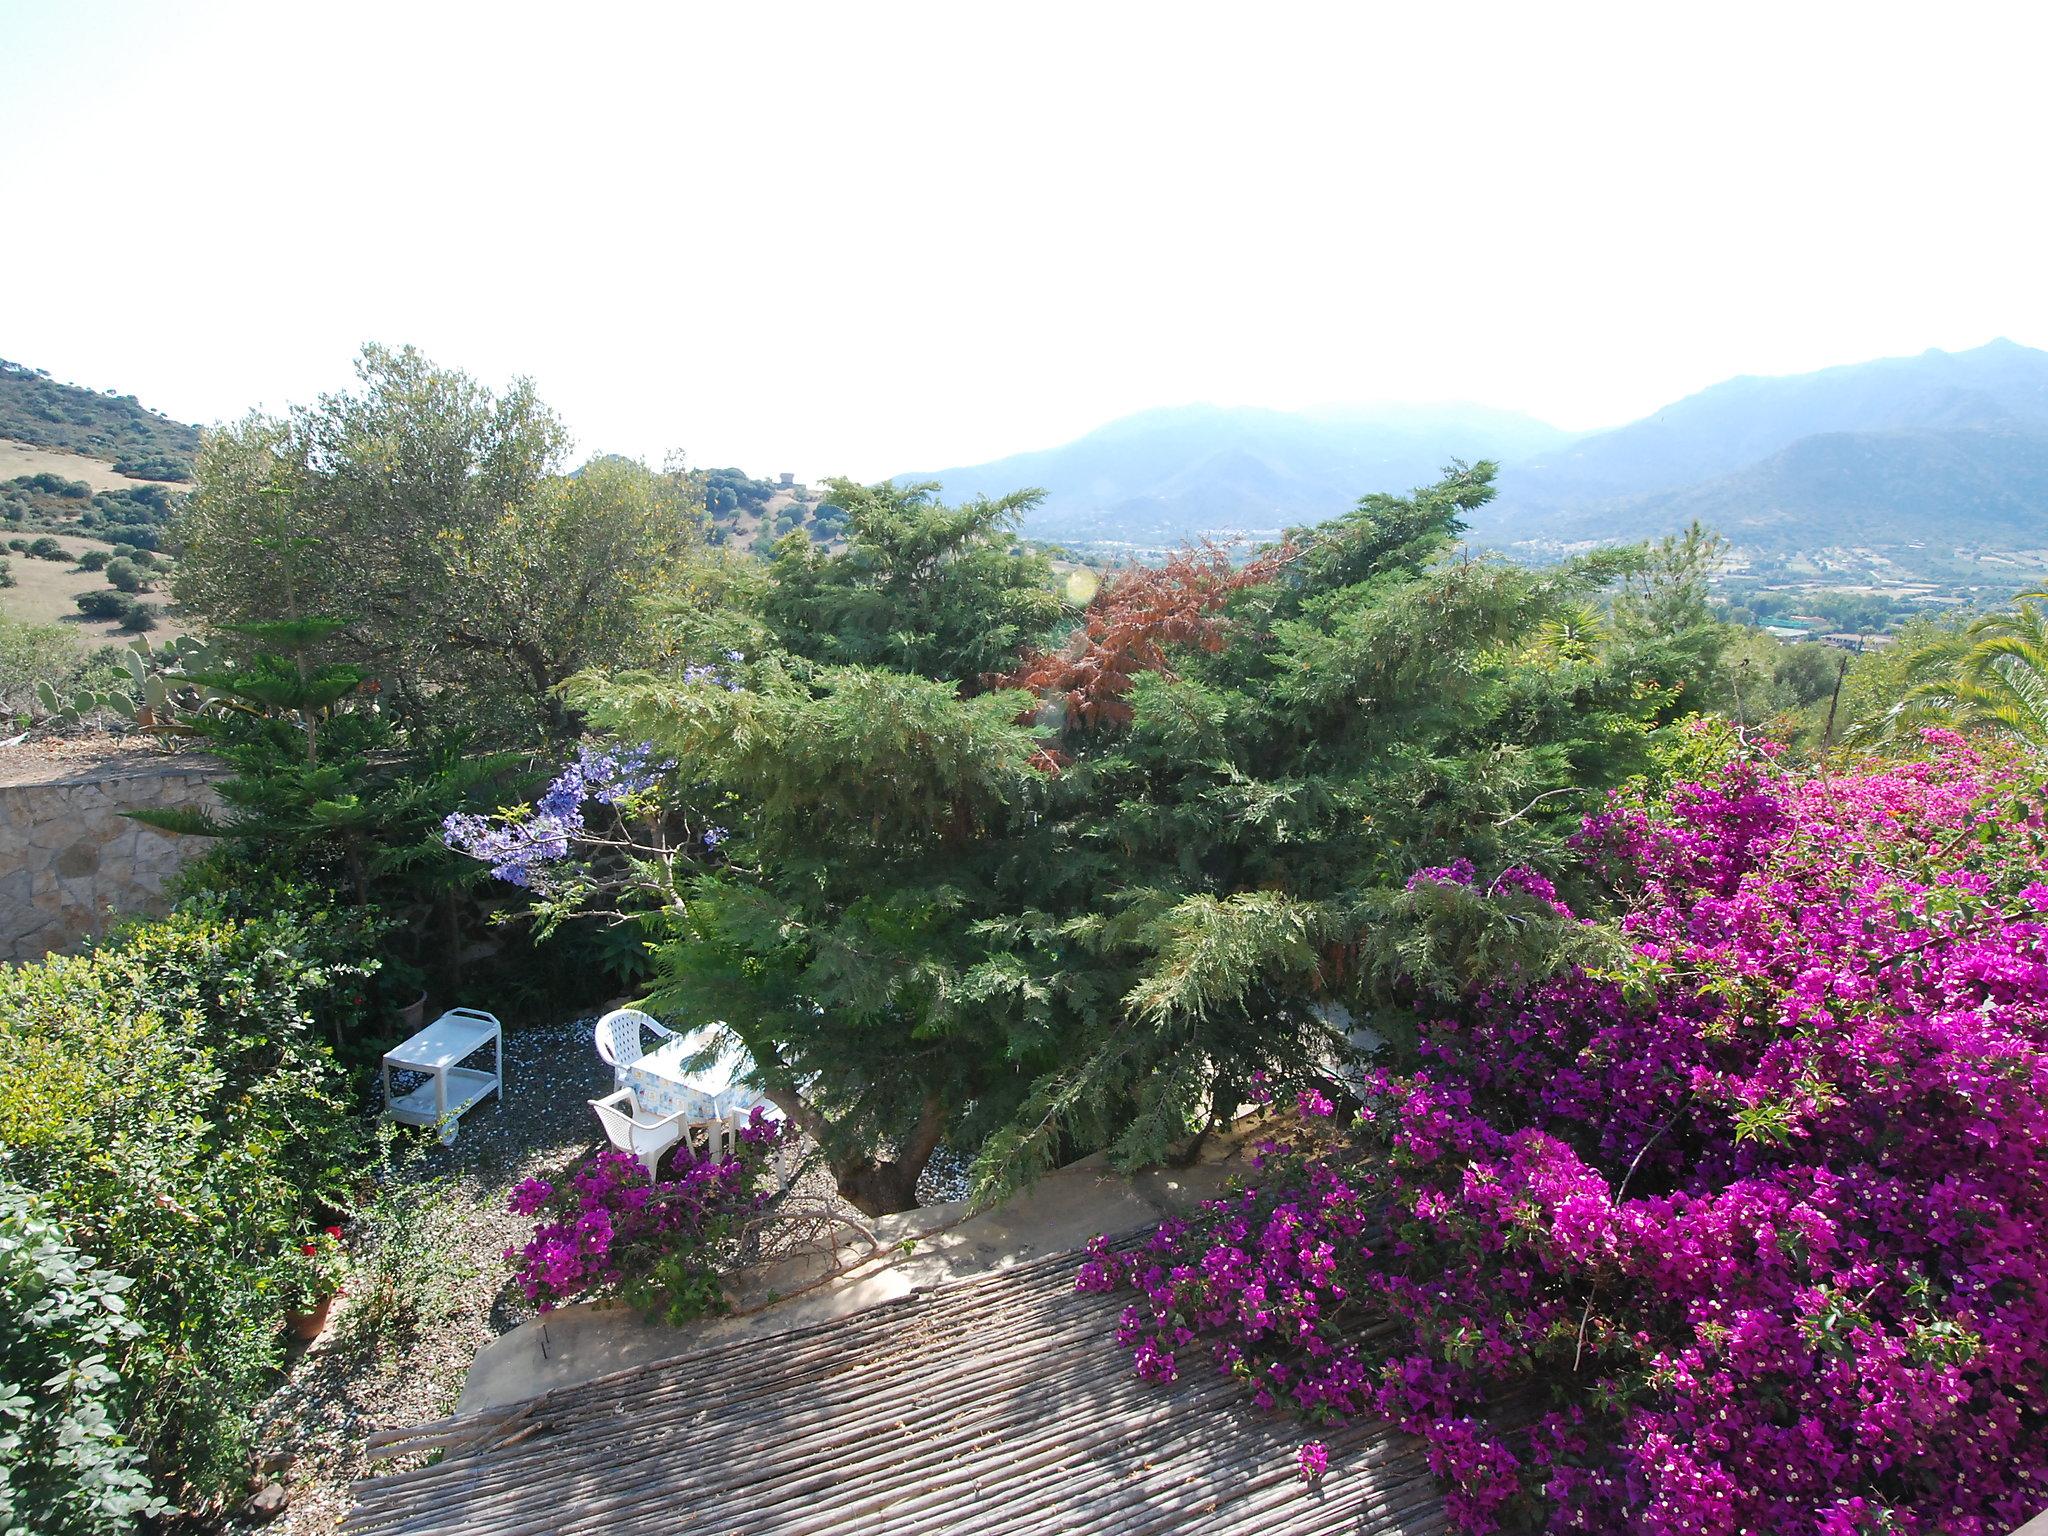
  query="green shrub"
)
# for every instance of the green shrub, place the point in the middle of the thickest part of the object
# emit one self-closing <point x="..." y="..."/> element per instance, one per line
<point x="46" y="548"/>
<point x="6" y="574"/>
<point x="123" y="576"/>
<point x="64" y="1468"/>
<point x="140" y="617"/>
<point x="156" y="467"/>
<point x="169" y="1095"/>
<point x="104" y="603"/>
<point x="52" y="485"/>
<point x="32" y="654"/>
<point x="94" y="560"/>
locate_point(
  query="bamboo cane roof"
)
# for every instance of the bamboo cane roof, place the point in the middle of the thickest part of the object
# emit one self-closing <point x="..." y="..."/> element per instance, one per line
<point x="996" y="1404"/>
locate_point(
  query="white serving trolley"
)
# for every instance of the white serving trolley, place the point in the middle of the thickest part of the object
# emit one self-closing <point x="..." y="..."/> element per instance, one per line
<point x="450" y="1090"/>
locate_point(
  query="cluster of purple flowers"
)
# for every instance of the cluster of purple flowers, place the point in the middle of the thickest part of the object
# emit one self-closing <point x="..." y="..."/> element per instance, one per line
<point x="1314" y="1460"/>
<point x="1755" y="1220"/>
<point x="1513" y="878"/>
<point x="610" y="1226"/>
<point x="701" y="674"/>
<point x="521" y="849"/>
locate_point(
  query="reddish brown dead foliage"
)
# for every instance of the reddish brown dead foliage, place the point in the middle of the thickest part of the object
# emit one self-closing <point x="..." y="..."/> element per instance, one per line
<point x="1138" y="616"/>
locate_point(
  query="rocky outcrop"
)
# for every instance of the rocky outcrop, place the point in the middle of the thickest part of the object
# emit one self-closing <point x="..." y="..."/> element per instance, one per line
<point x="71" y="862"/>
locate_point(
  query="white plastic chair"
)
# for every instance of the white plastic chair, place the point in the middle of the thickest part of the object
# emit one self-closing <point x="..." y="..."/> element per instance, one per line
<point x="618" y="1036"/>
<point x="630" y="1131"/>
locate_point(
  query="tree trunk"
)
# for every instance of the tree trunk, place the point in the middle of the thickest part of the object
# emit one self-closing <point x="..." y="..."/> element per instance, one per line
<point x="878" y="1188"/>
<point x="872" y="1185"/>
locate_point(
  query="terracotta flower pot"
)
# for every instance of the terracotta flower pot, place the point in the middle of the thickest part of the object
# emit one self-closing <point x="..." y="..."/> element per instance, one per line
<point x="414" y="1014"/>
<point x="309" y="1325"/>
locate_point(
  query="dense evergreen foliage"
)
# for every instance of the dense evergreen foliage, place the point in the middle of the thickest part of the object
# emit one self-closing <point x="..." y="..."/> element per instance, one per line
<point x="950" y="909"/>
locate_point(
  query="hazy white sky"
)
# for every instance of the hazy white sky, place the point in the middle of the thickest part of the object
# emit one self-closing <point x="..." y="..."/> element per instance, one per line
<point x="876" y="238"/>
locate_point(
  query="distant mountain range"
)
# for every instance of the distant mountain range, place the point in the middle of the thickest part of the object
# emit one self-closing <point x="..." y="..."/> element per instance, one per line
<point x="1165" y="474"/>
<point x="1951" y="446"/>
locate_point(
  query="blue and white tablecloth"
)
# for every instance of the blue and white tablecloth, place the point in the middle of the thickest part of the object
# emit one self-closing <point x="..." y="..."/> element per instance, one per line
<point x="663" y="1087"/>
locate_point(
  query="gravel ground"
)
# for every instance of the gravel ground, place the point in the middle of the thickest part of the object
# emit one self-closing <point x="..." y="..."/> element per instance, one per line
<point x="340" y="1389"/>
<point x="346" y="1385"/>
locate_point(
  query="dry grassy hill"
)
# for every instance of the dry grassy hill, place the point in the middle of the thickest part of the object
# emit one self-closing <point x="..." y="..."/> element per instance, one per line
<point x="26" y="459"/>
<point x="46" y="592"/>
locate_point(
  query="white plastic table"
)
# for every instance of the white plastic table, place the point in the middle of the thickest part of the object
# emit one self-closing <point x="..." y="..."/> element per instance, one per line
<point x="451" y="1089"/>
<point x="711" y="1096"/>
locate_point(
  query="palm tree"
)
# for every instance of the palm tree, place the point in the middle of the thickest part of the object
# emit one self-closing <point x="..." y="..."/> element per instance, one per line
<point x="1574" y="633"/>
<point x="1991" y="677"/>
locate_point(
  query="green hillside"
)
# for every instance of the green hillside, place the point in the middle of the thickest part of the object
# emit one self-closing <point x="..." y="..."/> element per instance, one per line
<point x="35" y="408"/>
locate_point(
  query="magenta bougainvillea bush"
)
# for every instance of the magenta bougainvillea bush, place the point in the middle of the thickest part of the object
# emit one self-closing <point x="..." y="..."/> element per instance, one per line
<point x="1745" y="1231"/>
<point x="607" y="1230"/>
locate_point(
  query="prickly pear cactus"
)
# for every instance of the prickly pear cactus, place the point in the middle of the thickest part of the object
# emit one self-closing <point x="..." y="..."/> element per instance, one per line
<point x="155" y="695"/>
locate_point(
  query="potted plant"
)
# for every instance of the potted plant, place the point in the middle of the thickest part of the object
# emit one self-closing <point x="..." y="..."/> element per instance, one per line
<point x="406" y="985"/>
<point x="312" y="1282"/>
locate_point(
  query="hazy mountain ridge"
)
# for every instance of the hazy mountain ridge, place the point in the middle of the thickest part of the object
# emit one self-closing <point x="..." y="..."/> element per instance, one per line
<point x="1740" y="421"/>
<point x="1966" y="486"/>
<point x="1892" y="452"/>
<point x="1168" y="473"/>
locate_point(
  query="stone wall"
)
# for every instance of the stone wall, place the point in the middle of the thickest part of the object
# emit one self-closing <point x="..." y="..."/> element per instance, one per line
<point x="71" y="862"/>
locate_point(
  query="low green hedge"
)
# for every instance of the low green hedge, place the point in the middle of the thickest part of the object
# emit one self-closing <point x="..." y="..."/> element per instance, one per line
<point x="169" y="1099"/>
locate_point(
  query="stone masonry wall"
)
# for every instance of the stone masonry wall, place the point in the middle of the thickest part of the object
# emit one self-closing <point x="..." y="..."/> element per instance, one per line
<point x="70" y="862"/>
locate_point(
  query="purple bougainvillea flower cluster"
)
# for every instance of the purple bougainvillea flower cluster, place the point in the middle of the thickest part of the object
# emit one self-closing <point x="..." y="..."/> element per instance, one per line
<point x="1746" y="1232"/>
<point x="610" y="1223"/>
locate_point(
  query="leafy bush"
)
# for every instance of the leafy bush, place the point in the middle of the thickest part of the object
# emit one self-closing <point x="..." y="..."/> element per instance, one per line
<point x="104" y="604"/>
<point x="46" y="548"/>
<point x="123" y="575"/>
<point x="32" y="654"/>
<point x="51" y="485"/>
<point x="94" y="560"/>
<point x="659" y="1245"/>
<point x="168" y="1095"/>
<point x="64" y="1467"/>
<point x="156" y="467"/>
<point x="1752" y="1211"/>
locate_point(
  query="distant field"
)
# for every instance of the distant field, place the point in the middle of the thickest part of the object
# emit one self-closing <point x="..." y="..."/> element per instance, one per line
<point x="43" y="592"/>
<point x="23" y="459"/>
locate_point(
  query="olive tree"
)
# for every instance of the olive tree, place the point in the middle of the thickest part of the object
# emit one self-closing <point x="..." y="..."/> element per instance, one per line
<point x="435" y="519"/>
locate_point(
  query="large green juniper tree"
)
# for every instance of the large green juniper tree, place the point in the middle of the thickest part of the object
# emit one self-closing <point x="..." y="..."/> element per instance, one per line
<point x="1027" y="892"/>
